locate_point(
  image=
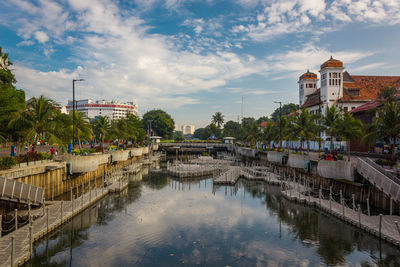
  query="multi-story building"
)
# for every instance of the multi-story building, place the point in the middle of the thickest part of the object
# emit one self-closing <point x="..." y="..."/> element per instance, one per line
<point x="339" y="87"/>
<point x="113" y="110"/>
<point x="187" y="129"/>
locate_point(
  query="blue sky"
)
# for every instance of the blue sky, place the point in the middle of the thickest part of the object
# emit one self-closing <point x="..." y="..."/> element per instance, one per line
<point x="191" y="57"/>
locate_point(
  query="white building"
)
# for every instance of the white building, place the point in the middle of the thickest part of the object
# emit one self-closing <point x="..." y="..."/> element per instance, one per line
<point x="339" y="88"/>
<point x="113" y="110"/>
<point x="187" y="129"/>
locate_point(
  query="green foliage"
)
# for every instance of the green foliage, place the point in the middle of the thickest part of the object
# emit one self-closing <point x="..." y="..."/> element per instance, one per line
<point x="262" y="119"/>
<point x="286" y="110"/>
<point x="232" y="129"/>
<point x="386" y="125"/>
<point x="200" y="133"/>
<point x="78" y="152"/>
<point x="162" y="123"/>
<point x="115" y="148"/>
<point x="387" y="94"/>
<point x="303" y="128"/>
<point x="178" y="136"/>
<point x="127" y="129"/>
<point x="45" y="156"/>
<point x="6" y="163"/>
<point x="204" y="154"/>
<point x="218" y="119"/>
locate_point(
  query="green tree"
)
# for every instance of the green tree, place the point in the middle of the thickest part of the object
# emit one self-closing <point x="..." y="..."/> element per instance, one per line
<point x="387" y="94"/>
<point x="101" y="126"/>
<point x="349" y="128"/>
<point x="331" y="122"/>
<point x="262" y="119"/>
<point x="386" y="125"/>
<point x="83" y="129"/>
<point x="161" y="123"/>
<point x="12" y="102"/>
<point x="218" y="119"/>
<point x="303" y="128"/>
<point x="178" y="136"/>
<point x="210" y="130"/>
<point x="252" y="132"/>
<point x="200" y="133"/>
<point x="233" y="129"/>
<point x="286" y="110"/>
<point x="39" y="117"/>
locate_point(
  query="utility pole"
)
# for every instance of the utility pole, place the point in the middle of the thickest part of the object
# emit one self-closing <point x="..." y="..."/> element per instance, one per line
<point x="73" y="110"/>
<point x="280" y="122"/>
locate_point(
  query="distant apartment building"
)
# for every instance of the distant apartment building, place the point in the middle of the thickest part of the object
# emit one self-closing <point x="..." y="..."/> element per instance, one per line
<point x="187" y="129"/>
<point x="113" y="110"/>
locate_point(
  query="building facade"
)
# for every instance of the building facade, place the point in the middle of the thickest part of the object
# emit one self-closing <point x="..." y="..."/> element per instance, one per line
<point x="112" y="110"/>
<point x="187" y="129"/>
<point x="338" y="87"/>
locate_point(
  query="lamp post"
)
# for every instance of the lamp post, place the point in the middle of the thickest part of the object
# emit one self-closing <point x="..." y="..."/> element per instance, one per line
<point x="280" y="122"/>
<point x="319" y="127"/>
<point x="73" y="110"/>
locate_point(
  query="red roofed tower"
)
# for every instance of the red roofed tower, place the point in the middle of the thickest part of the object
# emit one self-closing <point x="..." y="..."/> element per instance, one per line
<point x="331" y="81"/>
<point x="307" y="85"/>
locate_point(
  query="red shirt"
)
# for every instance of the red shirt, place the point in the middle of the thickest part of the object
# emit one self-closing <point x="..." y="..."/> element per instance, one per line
<point x="52" y="151"/>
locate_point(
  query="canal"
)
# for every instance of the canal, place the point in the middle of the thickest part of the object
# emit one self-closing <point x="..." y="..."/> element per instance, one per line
<point x="159" y="221"/>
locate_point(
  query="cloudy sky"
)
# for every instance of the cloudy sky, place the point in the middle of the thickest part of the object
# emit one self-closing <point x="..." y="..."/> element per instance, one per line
<point x="193" y="57"/>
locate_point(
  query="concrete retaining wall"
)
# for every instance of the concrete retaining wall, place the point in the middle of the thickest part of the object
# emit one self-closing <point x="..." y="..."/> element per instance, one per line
<point x="145" y="150"/>
<point x="274" y="156"/>
<point x="336" y="169"/>
<point x="84" y="163"/>
<point x="247" y="152"/>
<point x="298" y="161"/>
<point x="121" y="155"/>
<point x="136" y="151"/>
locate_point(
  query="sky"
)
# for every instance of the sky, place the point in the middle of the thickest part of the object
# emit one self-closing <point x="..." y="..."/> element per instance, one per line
<point x="193" y="58"/>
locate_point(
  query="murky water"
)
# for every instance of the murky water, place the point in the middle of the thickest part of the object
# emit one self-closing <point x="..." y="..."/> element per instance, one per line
<point x="159" y="221"/>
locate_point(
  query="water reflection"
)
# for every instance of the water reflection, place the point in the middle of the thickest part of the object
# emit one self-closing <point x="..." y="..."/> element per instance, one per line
<point x="161" y="221"/>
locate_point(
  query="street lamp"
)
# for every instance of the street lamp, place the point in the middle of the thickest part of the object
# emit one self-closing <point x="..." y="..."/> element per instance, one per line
<point x="280" y="122"/>
<point x="73" y="110"/>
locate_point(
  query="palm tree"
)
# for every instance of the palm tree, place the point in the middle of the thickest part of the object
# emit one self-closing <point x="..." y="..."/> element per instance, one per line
<point x="252" y="133"/>
<point x="218" y="119"/>
<point x="331" y="122"/>
<point x="39" y="116"/>
<point x="101" y="126"/>
<point x="349" y="128"/>
<point x="303" y="128"/>
<point x="82" y="127"/>
<point x="386" y="125"/>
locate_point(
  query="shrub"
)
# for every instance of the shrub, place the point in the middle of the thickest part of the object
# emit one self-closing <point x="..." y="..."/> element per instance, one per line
<point x="7" y="163"/>
<point x="76" y="152"/>
<point x="379" y="161"/>
<point x="340" y="157"/>
<point x="204" y="153"/>
<point x="45" y="156"/>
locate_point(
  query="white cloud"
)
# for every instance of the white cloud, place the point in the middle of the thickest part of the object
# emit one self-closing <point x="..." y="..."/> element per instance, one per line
<point x="281" y="17"/>
<point x="41" y="36"/>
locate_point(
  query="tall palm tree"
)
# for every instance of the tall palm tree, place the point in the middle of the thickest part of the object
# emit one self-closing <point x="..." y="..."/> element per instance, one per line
<point x="101" y="126"/>
<point x="349" y="128"/>
<point x="82" y="127"/>
<point x="252" y="133"/>
<point x="303" y="128"/>
<point x="218" y="119"/>
<point x="386" y="125"/>
<point x="331" y="122"/>
<point x="39" y="116"/>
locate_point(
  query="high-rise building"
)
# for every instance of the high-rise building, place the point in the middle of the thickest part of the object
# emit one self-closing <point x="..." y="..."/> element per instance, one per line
<point x="187" y="129"/>
<point x="113" y="110"/>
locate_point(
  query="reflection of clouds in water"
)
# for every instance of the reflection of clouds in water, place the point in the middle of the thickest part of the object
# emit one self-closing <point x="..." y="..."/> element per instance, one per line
<point x="155" y="218"/>
<point x="266" y="255"/>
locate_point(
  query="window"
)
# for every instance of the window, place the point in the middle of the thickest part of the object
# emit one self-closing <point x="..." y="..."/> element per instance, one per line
<point x="330" y="75"/>
<point x="334" y="75"/>
<point x="353" y="92"/>
<point x="353" y="107"/>
<point x="346" y="109"/>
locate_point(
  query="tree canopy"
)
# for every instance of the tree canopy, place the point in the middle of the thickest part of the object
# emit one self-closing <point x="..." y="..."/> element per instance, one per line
<point x="162" y="123"/>
<point x="286" y="110"/>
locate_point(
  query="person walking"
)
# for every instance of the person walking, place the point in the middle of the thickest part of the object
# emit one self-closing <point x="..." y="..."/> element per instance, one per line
<point x="52" y="150"/>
